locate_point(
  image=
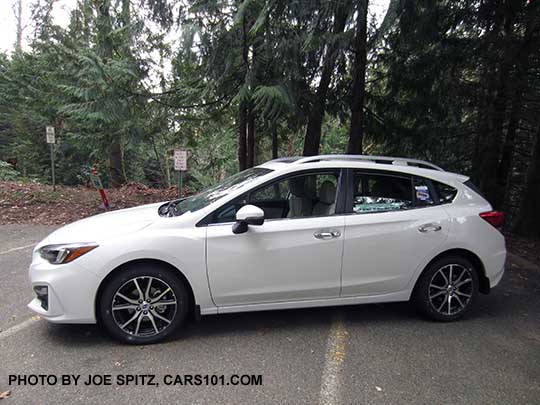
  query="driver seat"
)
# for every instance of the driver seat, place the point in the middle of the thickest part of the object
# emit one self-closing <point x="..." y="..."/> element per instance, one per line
<point x="300" y="202"/>
<point x="327" y="200"/>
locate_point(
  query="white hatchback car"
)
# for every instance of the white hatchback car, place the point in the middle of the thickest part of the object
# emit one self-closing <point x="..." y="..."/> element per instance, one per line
<point x="291" y="233"/>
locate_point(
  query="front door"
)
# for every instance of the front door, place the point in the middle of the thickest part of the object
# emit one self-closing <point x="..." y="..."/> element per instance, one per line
<point x="295" y="255"/>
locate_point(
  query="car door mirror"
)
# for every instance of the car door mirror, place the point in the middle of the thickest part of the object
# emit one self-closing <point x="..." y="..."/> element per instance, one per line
<point x="247" y="215"/>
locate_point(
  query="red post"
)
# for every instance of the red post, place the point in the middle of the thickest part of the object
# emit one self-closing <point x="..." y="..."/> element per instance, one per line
<point x="104" y="198"/>
<point x="97" y="184"/>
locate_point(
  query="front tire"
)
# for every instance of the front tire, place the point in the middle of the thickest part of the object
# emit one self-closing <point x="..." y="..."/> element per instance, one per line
<point x="447" y="289"/>
<point x="143" y="304"/>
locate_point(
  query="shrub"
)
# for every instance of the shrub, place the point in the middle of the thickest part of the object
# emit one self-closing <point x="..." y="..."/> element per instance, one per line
<point x="7" y="172"/>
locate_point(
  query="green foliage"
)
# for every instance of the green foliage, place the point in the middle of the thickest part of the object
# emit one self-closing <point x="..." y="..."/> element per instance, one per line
<point x="7" y="173"/>
<point x="272" y="102"/>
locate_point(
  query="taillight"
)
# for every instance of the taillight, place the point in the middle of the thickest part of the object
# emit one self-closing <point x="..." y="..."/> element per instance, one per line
<point x="495" y="218"/>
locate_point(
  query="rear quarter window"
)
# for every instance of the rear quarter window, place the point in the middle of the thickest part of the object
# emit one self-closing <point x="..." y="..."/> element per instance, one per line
<point x="445" y="192"/>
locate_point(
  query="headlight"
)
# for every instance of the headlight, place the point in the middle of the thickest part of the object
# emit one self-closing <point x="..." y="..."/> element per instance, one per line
<point x="65" y="253"/>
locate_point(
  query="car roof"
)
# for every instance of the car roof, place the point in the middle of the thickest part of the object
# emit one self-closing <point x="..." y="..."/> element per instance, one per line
<point x="386" y="163"/>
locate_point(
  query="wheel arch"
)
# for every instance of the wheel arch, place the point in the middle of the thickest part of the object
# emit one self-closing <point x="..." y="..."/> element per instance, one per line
<point x="122" y="266"/>
<point x="484" y="286"/>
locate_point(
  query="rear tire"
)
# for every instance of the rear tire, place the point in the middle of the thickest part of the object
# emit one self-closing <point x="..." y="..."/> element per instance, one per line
<point x="447" y="289"/>
<point x="143" y="304"/>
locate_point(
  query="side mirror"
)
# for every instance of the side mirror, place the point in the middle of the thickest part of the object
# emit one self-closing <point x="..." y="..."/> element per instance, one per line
<point x="247" y="215"/>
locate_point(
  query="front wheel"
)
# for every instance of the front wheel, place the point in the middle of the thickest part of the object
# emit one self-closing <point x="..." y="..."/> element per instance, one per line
<point x="447" y="289"/>
<point x="143" y="304"/>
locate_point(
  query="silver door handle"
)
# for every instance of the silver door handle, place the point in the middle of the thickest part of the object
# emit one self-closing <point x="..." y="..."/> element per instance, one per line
<point x="429" y="228"/>
<point x="327" y="234"/>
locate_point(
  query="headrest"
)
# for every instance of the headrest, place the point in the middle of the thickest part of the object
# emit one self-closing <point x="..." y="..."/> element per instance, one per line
<point x="381" y="188"/>
<point x="327" y="193"/>
<point x="310" y="187"/>
<point x="390" y="188"/>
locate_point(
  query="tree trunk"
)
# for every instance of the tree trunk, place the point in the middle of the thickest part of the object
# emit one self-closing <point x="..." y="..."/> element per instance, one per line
<point x="505" y="164"/>
<point x="115" y="164"/>
<point x="528" y="222"/>
<point x="313" y="131"/>
<point x="18" y="17"/>
<point x="492" y="147"/>
<point x="523" y="64"/>
<point x="318" y="108"/>
<point x="274" y="142"/>
<point x="493" y="134"/>
<point x="243" y="147"/>
<point x="87" y="14"/>
<point x="356" y="130"/>
<point x="251" y="140"/>
<point x="160" y="162"/>
<point x="105" y="48"/>
<point x="242" y="137"/>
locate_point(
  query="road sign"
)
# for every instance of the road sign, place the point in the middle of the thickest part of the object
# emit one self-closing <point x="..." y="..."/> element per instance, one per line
<point x="180" y="160"/>
<point x="50" y="134"/>
<point x="180" y="165"/>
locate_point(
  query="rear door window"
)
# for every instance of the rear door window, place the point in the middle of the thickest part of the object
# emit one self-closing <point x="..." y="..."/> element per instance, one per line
<point x="380" y="193"/>
<point x="423" y="192"/>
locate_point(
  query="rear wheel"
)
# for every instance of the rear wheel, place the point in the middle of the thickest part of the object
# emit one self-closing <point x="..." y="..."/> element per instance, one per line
<point x="447" y="289"/>
<point x="143" y="304"/>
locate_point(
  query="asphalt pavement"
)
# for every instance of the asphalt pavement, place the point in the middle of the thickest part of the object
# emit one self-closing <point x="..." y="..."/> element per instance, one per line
<point x="350" y="355"/>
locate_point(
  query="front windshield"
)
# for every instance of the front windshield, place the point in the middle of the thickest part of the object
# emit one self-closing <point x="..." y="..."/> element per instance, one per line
<point x="204" y="198"/>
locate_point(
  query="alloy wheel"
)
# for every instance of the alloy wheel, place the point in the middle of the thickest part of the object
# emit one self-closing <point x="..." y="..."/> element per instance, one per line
<point x="451" y="289"/>
<point x="144" y="306"/>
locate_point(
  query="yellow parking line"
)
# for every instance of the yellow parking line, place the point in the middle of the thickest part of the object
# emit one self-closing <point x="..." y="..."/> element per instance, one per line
<point x="336" y="351"/>
<point x="17" y="328"/>
<point x="17" y="248"/>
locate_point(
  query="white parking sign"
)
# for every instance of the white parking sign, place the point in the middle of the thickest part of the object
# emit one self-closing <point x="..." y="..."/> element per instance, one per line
<point x="49" y="131"/>
<point x="180" y="160"/>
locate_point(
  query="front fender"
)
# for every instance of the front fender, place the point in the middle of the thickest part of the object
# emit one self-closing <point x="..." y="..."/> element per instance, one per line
<point x="185" y="253"/>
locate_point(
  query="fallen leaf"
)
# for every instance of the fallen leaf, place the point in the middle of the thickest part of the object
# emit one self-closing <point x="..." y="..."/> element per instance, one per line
<point x="5" y="394"/>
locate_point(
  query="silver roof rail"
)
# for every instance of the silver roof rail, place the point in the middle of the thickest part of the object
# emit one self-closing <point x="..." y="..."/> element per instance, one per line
<point x="398" y="161"/>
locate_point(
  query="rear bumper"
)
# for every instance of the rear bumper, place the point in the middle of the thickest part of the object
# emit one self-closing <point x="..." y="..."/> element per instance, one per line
<point x="494" y="267"/>
<point x="496" y="278"/>
<point x="71" y="292"/>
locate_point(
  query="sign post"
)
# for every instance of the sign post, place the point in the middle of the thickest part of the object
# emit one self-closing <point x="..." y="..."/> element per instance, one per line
<point x="96" y="181"/>
<point x="49" y="131"/>
<point x="180" y="165"/>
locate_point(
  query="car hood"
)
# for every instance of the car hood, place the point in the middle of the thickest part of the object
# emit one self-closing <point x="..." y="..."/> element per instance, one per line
<point x="106" y="226"/>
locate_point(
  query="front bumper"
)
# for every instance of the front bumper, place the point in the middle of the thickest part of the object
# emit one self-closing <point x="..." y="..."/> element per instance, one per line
<point x="71" y="291"/>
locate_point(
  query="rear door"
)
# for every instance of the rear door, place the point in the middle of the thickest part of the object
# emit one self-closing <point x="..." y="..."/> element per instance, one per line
<point x="394" y="223"/>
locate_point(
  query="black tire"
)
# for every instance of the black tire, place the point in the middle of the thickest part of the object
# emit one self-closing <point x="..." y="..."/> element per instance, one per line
<point x="150" y="329"/>
<point x="431" y="294"/>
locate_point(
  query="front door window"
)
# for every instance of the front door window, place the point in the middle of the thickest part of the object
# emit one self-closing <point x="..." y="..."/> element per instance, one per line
<point x="298" y="196"/>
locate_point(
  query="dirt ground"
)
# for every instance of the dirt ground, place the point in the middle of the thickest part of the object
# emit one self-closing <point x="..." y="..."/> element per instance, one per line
<point x="24" y="203"/>
<point x="528" y="248"/>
